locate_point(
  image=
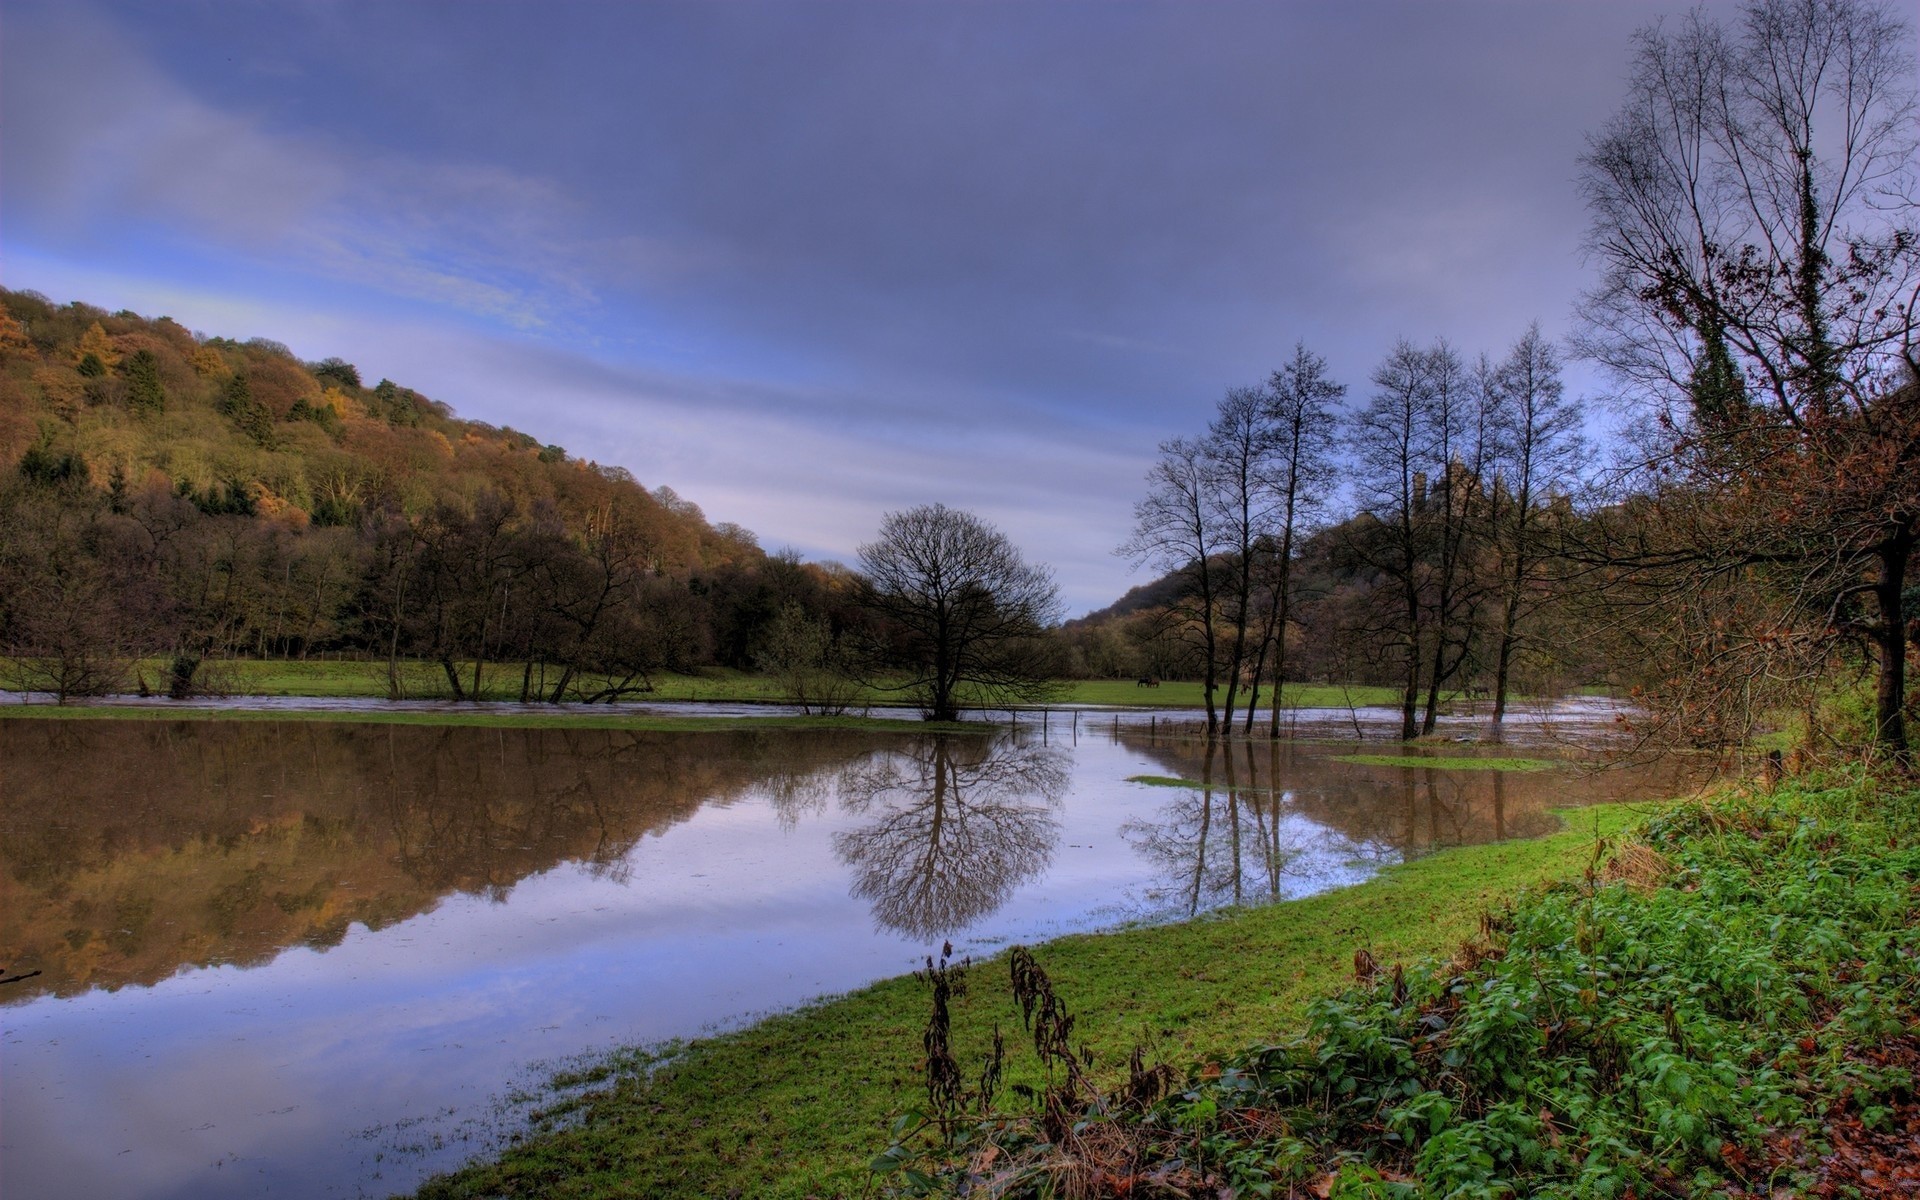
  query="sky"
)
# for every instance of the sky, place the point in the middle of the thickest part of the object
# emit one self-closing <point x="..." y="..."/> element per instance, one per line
<point x="809" y="263"/>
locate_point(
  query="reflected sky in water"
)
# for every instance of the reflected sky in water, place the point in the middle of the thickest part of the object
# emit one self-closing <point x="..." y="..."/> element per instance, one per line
<point x="309" y="957"/>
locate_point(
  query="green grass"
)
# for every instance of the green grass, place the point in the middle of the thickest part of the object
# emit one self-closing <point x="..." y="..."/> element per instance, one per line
<point x="797" y="1104"/>
<point x="426" y="681"/>
<point x="367" y="679"/>
<point x="1728" y="1007"/>
<point x="567" y="719"/>
<point x="1448" y="763"/>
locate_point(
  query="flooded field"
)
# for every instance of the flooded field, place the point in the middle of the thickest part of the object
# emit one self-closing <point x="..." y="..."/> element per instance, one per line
<point x="311" y="959"/>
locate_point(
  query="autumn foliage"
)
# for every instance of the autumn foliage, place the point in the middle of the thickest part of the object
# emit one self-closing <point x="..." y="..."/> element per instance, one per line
<point x="194" y="497"/>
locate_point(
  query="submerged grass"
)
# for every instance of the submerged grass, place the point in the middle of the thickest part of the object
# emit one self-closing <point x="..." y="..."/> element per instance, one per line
<point x="1174" y="693"/>
<point x="1448" y="762"/>
<point x="796" y="1105"/>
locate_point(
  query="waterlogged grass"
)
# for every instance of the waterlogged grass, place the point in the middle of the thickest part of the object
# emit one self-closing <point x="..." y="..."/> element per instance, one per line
<point x="798" y="1105"/>
<point x="1175" y="693"/>
<point x="1170" y="781"/>
<point x="1448" y="763"/>
<point x="1728" y="1008"/>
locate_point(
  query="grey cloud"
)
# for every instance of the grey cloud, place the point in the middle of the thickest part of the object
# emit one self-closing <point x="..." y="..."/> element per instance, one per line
<point x="985" y="253"/>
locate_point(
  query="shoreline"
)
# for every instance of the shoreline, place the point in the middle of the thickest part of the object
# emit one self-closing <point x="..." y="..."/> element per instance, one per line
<point x="798" y="1102"/>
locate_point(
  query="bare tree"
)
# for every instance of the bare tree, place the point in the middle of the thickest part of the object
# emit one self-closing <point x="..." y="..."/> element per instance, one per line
<point x="1302" y="421"/>
<point x="1454" y="417"/>
<point x="1393" y="448"/>
<point x="1540" y="451"/>
<point x="1240" y="502"/>
<point x="1174" y="530"/>
<point x="958" y="609"/>
<point x="1754" y="219"/>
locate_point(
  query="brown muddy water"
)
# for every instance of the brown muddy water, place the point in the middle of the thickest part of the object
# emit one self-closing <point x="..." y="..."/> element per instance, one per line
<point x="313" y="959"/>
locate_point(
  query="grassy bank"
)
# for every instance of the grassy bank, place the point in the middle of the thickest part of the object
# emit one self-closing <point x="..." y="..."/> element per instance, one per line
<point x="1728" y="1008"/>
<point x="798" y="1104"/>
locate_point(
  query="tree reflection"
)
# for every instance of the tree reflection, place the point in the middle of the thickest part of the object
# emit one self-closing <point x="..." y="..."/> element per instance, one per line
<point x="959" y="823"/>
<point x="1222" y="842"/>
<point x="130" y="849"/>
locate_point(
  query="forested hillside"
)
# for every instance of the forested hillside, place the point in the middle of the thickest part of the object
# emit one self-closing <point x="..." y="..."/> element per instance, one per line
<point x="171" y="493"/>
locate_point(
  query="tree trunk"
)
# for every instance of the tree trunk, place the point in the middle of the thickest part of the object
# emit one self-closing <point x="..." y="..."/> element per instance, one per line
<point x="1253" y="684"/>
<point x="1212" y="669"/>
<point x="1237" y="657"/>
<point x="1410" y="698"/>
<point x="1890" y="693"/>
<point x="1509" y="621"/>
<point x="394" y="690"/>
<point x="1433" y="681"/>
<point x="453" y="677"/>
<point x="1283" y="608"/>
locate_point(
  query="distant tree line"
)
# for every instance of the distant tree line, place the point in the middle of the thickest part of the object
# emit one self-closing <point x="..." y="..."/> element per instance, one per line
<point x="198" y="499"/>
<point x="194" y="500"/>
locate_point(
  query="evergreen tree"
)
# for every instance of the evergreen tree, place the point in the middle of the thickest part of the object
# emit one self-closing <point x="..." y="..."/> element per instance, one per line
<point x="144" y="393"/>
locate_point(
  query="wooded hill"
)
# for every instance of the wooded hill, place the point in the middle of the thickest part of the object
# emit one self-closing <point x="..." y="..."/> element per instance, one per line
<point x="168" y="492"/>
<point x="246" y="424"/>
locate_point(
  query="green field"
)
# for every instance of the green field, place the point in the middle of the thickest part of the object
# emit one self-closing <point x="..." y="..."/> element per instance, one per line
<point x="501" y="681"/>
<point x="566" y="719"/>
<point x="796" y="1105"/>
<point x="363" y="679"/>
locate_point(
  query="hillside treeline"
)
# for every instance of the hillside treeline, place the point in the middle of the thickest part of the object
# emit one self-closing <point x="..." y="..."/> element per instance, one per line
<point x="195" y="498"/>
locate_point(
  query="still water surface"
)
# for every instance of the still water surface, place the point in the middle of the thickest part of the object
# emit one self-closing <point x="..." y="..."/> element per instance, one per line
<point x="307" y="959"/>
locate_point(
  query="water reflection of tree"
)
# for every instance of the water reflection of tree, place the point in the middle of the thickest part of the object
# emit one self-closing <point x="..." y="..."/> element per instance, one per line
<point x="455" y="829"/>
<point x="133" y="848"/>
<point x="1223" y="842"/>
<point x="959" y="823"/>
<point x="1401" y="812"/>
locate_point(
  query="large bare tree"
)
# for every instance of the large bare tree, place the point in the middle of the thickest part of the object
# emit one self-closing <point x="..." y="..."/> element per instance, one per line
<point x="1418" y="447"/>
<point x="1540" y="454"/>
<point x="1754" y="219"/>
<point x="1239" y="454"/>
<point x="958" y="610"/>
<point x="1174" y="529"/>
<point x="1302" y="420"/>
